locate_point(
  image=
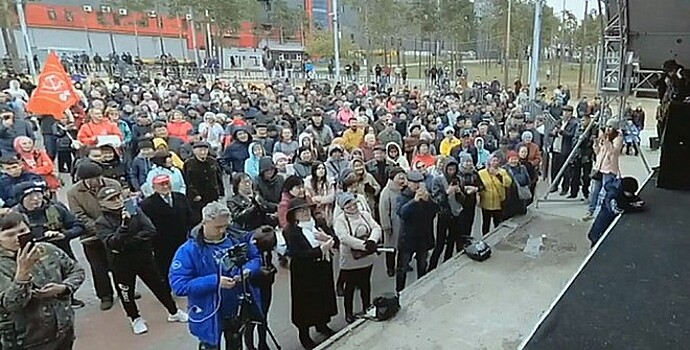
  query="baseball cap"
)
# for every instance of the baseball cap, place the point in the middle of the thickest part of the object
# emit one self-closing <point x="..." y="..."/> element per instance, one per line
<point x="108" y="192"/>
<point x="161" y="179"/>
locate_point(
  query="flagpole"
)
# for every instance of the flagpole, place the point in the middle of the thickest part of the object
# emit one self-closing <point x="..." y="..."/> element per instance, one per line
<point x="29" y="57"/>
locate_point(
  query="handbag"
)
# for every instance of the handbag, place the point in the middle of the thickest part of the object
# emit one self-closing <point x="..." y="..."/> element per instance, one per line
<point x="357" y="253"/>
<point x="524" y="193"/>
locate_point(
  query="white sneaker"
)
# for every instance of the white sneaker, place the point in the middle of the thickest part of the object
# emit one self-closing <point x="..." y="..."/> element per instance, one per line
<point x="139" y="326"/>
<point x="179" y="316"/>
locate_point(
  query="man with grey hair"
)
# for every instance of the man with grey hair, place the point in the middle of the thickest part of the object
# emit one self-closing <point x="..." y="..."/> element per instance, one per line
<point x="215" y="260"/>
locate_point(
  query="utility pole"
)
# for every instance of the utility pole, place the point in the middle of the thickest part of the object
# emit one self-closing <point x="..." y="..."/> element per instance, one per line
<point x="506" y="64"/>
<point x="29" y="54"/>
<point x="194" y="43"/>
<point x="336" y="40"/>
<point x="582" y="50"/>
<point x="560" y="61"/>
<point x="536" y="49"/>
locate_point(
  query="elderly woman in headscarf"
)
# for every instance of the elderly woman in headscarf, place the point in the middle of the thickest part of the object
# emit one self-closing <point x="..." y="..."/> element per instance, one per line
<point x="533" y="151"/>
<point x="36" y="161"/>
<point x="211" y="131"/>
<point x="496" y="181"/>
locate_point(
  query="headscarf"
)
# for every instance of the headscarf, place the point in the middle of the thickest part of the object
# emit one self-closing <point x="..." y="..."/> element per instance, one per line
<point x="27" y="157"/>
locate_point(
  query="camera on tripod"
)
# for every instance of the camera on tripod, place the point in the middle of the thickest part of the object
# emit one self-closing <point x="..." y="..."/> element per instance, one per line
<point x="236" y="256"/>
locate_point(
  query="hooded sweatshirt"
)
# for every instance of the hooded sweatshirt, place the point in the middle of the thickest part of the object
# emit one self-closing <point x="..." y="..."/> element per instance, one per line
<point x="251" y="165"/>
<point x="400" y="160"/>
<point x="448" y="204"/>
<point x="482" y="153"/>
<point x="269" y="189"/>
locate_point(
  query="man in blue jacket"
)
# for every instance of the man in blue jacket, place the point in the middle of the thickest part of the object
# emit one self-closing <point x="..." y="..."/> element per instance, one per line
<point x="205" y="272"/>
<point x="13" y="174"/>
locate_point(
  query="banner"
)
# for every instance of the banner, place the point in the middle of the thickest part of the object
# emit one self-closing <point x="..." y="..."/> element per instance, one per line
<point x="55" y="92"/>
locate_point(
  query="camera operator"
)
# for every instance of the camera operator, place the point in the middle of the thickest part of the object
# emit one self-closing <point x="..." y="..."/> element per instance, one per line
<point x="35" y="312"/>
<point x="127" y="233"/>
<point x="48" y="219"/>
<point x="205" y="270"/>
<point x="249" y="211"/>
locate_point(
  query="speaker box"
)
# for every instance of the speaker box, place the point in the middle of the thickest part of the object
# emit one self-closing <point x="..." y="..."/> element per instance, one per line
<point x="674" y="169"/>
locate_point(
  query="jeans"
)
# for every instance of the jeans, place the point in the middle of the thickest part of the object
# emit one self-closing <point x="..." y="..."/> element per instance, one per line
<point x="596" y="196"/>
<point x="404" y="258"/>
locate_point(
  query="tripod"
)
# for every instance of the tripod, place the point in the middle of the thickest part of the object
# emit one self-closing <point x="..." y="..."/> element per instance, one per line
<point x="244" y="314"/>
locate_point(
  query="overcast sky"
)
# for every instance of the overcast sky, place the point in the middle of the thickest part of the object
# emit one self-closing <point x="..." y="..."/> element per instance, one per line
<point x="575" y="6"/>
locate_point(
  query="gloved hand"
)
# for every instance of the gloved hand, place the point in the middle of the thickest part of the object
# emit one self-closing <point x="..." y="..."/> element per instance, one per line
<point x="370" y="246"/>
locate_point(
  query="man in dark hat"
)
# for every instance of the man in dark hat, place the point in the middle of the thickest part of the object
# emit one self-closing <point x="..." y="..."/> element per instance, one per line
<point x="417" y="211"/>
<point x="261" y="136"/>
<point x="563" y="141"/>
<point x="203" y="178"/>
<point x="48" y="219"/>
<point x="126" y="235"/>
<point x="83" y="202"/>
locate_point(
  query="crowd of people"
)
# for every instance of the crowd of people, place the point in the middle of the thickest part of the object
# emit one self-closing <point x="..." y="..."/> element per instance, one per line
<point x="165" y="179"/>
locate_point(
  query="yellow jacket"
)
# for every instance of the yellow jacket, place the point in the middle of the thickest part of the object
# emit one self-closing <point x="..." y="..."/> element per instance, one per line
<point x="494" y="192"/>
<point x="352" y="139"/>
<point x="447" y="145"/>
<point x="176" y="160"/>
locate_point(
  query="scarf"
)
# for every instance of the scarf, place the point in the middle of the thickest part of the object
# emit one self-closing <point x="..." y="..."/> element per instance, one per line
<point x="309" y="232"/>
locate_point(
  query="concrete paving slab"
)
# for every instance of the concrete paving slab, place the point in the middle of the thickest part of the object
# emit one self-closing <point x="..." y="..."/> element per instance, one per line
<point x="488" y="305"/>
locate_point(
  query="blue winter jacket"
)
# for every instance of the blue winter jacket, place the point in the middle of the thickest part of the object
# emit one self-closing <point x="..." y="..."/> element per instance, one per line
<point x="138" y="170"/>
<point x="251" y="165"/>
<point x="234" y="156"/>
<point x="195" y="273"/>
<point x="7" y="184"/>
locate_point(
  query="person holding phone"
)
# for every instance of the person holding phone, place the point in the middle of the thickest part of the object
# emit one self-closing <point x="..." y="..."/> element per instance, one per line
<point x="126" y="233"/>
<point x="36" y="283"/>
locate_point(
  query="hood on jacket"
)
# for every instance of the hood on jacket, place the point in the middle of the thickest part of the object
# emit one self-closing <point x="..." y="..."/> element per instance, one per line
<point x="393" y="144"/>
<point x="479" y="143"/>
<point x="116" y="156"/>
<point x="451" y="161"/>
<point x="158" y="142"/>
<point x="265" y="164"/>
<point x="303" y="136"/>
<point x="234" y="135"/>
<point x="335" y="146"/>
<point x="253" y="158"/>
<point x="17" y="145"/>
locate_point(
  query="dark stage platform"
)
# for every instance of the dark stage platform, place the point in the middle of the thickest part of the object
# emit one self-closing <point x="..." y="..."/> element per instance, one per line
<point x="634" y="291"/>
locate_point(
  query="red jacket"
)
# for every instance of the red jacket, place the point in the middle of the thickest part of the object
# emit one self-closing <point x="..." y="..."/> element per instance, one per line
<point x="89" y="132"/>
<point x="180" y="129"/>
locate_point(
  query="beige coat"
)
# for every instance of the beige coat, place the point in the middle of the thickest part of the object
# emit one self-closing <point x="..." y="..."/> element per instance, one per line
<point x="353" y="231"/>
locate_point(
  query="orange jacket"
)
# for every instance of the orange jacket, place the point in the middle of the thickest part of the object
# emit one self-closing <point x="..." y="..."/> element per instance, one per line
<point x="180" y="130"/>
<point x="89" y="132"/>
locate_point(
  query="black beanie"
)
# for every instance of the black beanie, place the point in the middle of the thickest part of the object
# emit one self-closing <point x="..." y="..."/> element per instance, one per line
<point x="145" y="144"/>
<point x="292" y="182"/>
<point x="88" y="170"/>
<point x="395" y="171"/>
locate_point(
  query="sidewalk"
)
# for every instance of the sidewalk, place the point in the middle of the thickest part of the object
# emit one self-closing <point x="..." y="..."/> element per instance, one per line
<point x="489" y="305"/>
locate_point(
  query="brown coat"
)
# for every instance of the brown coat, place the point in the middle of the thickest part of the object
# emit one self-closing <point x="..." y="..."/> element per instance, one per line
<point x="83" y="203"/>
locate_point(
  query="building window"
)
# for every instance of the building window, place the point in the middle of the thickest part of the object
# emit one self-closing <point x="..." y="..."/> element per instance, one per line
<point x="52" y="15"/>
<point x="68" y="16"/>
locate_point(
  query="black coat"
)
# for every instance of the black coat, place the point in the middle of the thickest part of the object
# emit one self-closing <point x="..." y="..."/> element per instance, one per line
<point x="202" y="179"/>
<point x="125" y="239"/>
<point x="417" y="222"/>
<point x="311" y="281"/>
<point x="172" y="224"/>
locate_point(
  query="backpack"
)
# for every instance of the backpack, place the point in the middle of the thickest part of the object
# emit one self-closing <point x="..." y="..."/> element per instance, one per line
<point x="477" y="250"/>
<point x="386" y="306"/>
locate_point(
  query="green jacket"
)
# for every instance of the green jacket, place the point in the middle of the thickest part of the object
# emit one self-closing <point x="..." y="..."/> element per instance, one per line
<point x="27" y="322"/>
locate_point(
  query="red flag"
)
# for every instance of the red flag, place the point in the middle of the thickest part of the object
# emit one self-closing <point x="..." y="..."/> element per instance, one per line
<point x="55" y="92"/>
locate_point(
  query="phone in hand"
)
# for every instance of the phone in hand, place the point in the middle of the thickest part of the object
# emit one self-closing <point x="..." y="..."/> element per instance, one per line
<point x="27" y="238"/>
<point x="131" y="206"/>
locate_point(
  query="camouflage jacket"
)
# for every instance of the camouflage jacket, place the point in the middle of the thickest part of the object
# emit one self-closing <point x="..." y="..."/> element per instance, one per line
<point x="27" y="322"/>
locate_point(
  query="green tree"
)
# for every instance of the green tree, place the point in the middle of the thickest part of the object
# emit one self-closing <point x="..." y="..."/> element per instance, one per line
<point x="320" y="45"/>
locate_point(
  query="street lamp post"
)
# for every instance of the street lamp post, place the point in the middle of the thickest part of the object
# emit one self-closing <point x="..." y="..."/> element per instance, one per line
<point x="29" y="57"/>
<point x="536" y="49"/>
<point x="336" y="40"/>
<point x="506" y="65"/>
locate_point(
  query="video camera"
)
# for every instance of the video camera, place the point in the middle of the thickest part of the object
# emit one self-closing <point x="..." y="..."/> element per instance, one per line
<point x="236" y="256"/>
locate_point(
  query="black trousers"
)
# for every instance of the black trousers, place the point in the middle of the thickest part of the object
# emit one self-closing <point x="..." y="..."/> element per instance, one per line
<point x="404" y="258"/>
<point x="357" y="279"/>
<point x="466" y="222"/>
<point x="98" y="260"/>
<point x="448" y="236"/>
<point x="579" y="176"/>
<point x="487" y="216"/>
<point x="558" y="162"/>
<point x="127" y="267"/>
<point x="65" y="159"/>
<point x="230" y="327"/>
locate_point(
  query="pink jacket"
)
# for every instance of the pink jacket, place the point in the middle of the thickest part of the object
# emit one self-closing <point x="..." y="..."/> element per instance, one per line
<point x="344" y="116"/>
<point x="608" y="155"/>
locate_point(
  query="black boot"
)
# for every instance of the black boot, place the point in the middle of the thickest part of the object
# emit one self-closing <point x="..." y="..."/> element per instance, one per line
<point x="325" y="330"/>
<point x="305" y="339"/>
